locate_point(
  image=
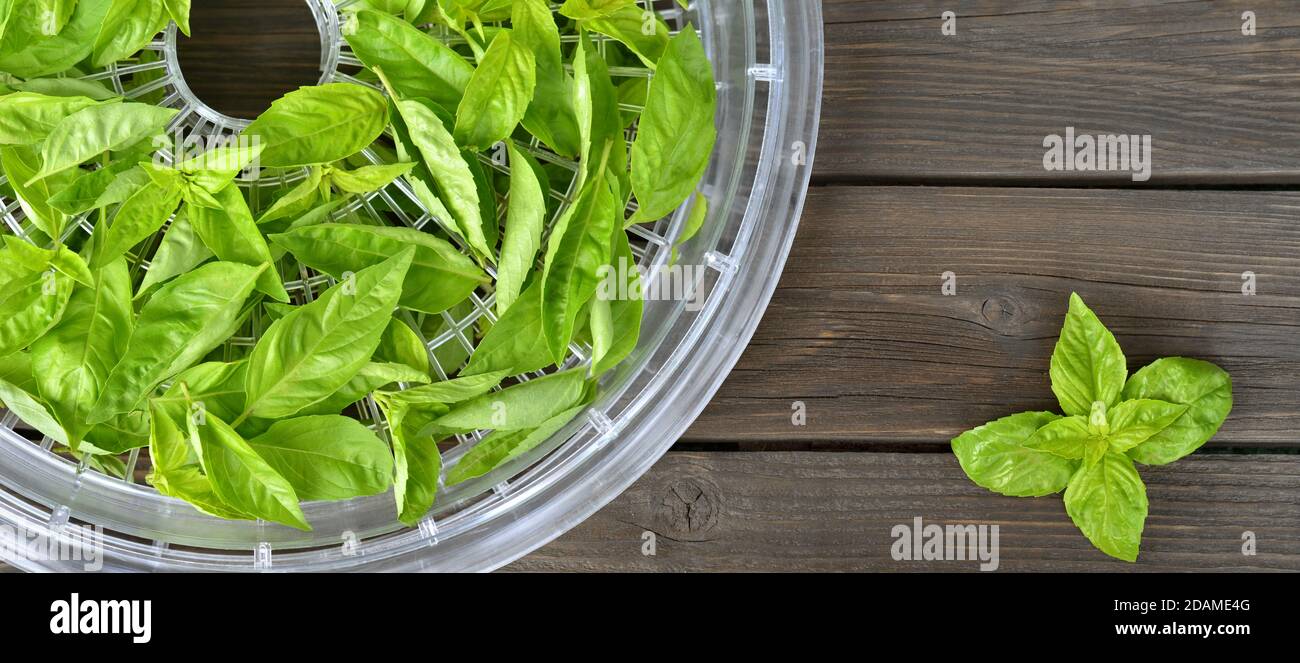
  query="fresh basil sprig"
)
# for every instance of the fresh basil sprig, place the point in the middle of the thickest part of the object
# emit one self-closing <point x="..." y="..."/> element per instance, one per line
<point x="1112" y="420"/>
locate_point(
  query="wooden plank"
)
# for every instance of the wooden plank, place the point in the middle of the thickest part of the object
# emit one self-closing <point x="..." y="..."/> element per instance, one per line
<point x="837" y="511"/>
<point x="238" y="65"/>
<point x="860" y="332"/>
<point x="904" y="103"/>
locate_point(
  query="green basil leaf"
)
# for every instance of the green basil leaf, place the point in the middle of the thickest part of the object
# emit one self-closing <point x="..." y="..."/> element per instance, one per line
<point x="517" y="343"/>
<point x="128" y="27"/>
<point x="401" y="345"/>
<point x="242" y="478"/>
<point x="80" y="351"/>
<point x="179" y="12"/>
<point x="586" y="9"/>
<point x="54" y="15"/>
<point x="1204" y="388"/>
<point x="69" y="87"/>
<point x="311" y="353"/>
<point x="551" y="115"/>
<point x="302" y="197"/>
<point x="21" y="164"/>
<point x="368" y="179"/>
<point x="184" y="321"/>
<point x="34" y="258"/>
<point x="30" y="306"/>
<point x="90" y="132"/>
<point x="677" y="131"/>
<point x="448" y="392"/>
<point x="578" y="247"/>
<point x="213" y="387"/>
<point x="89" y="190"/>
<point x="37" y="55"/>
<point x="440" y="276"/>
<point x="1067" y="437"/>
<point x="599" y="121"/>
<point x="643" y="32"/>
<point x="525" y="405"/>
<point x="138" y="219"/>
<point x="525" y="221"/>
<point x="1108" y="502"/>
<point x="371" y="377"/>
<point x="995" y="456"/>
<point x="16" y="369"/>
<point x="181" y="251"/>
<point x="498" y="94"/>
<point x="448" y="169"/>
<point x="626" y="307"/>
<point x="33" y="412"/>
<point x="27" y="118"/>
<point x="232" y="235"/>
<point x="417" y="463"/>
<point x="1087" y="363"/>
<point x="416" y="64"/>
<point x="327" y="457"/>
<point x="502" y="447"/>
<point x="176" y="472"/>
<point x="1136" y="421"/>
<point x="319" y="124"/>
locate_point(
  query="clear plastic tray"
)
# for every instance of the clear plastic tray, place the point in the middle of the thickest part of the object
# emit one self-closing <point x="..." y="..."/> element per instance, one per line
<point x="767" y="56"/>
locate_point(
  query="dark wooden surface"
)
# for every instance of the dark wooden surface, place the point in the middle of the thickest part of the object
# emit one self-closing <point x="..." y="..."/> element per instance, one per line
<point x="930" y="161"/>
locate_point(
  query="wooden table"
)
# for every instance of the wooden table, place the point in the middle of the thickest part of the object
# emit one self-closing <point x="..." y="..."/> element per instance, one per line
<point x="931" y="162"/>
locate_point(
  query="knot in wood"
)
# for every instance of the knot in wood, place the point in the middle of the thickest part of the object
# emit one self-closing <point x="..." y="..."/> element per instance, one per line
<point x="688" y="508"/>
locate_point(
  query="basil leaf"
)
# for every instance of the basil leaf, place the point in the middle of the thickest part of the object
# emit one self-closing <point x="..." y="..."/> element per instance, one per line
<point x="319" y="124"/>
<point x="368" y="179"/>
<point x="626" y="308"/>
<point x="128" y="27"/>
<point x="243" y="479"/>
<point x="516" y="343"/>
<point x="54" y="15"/>
<point x="182" y="322"/>
<point x="599" y="121"/>
<point x="213" y="387"/>
<point x="179" y="12"/>
<point x="579" y="246"/>
<point x="551" y="115"/>
<point x="502" y="447"/>
<point x="417" y="463"/>
<point x="181" y="251"/>
<point x="27" y="118"/>
<point x="300" y="198"/>
<point x="526" y="405"/>
<point x="36" y="259"/>
<point x="525" y="221"/>
<point x="416" y="64"/>
<point x="176" y="472"/>
<point x="440" y="276"/>
<point x="70" y="87"/>
<point x="584" y="9"/>
<point x="401" y="345"/>
<point x="79" y="352"/>
<point x="94" y="130"/>
<point x="1204" y="388"/>
<point x="29" y="306"/>
<point x="449" y="392"/>
<point x="139" y="218"/>
<point x="1087" y="364"/>
<point x="31" y="411"/>
<point x="21" y="164"/>
<point x="372" y="376"/>
<point x="643" y="32"/>
<point x="450" y="172"/>
<point x="232" y="236"/>
<point x="16" y="369"/>
<point x="1067" y="437"/>
<point x="1134" y="422"/>
<point x="38" y="55"/>
<point x="995" y="456"/>
<point x="327" y="457"/>
<point x="312" y="352"/>
<point x="677" y="132"/>
<point x="498" y="94"/>
<point x="1108" y="502"/>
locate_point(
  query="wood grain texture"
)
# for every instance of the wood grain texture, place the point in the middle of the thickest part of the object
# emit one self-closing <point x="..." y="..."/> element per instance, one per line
<point x="860" y="333"/>
<point x="836" y="512"/>
<point x="244" y="54"/>
<point x="906" y="104"/>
